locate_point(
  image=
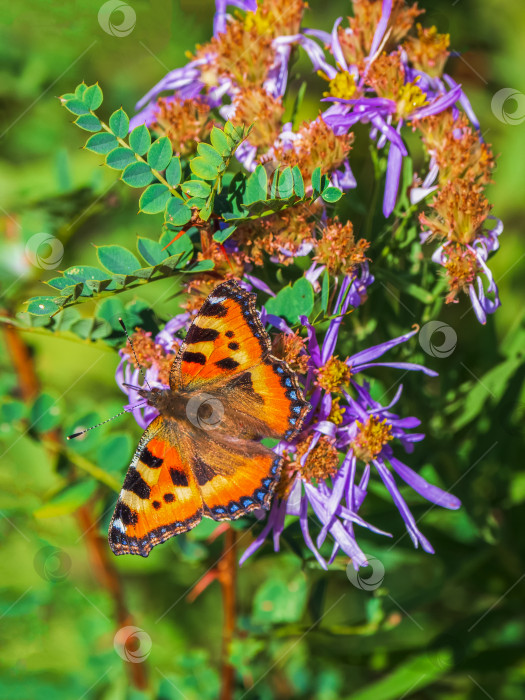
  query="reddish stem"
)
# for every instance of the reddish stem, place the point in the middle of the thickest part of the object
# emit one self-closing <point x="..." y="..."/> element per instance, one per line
<point x="227" y="574"/>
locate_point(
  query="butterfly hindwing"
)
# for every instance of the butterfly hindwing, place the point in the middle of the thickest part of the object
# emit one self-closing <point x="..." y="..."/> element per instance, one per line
<point x="159" y="497"/>
<point x="234" y="476"/>
<point x="268" y="393"/>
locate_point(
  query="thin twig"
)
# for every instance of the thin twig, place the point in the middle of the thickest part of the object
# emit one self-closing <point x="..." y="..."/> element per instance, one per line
<point x="227" y="573"/>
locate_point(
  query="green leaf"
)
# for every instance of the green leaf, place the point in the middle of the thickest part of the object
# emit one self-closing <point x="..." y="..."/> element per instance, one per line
<point x="12" y="411"/>
<point x="316" y="180"/>
<point x="114" y="452"/>
<point x="196" y="188"/>
<point x="203" y="169"/>
<point x="117" y="259"/>
<point x="101" y="143"/>
<point x="154" y="199"/>
<point x="210" y="155"/>
<point x="42" y="306"/>
<point x="59" y="282"/>
<point x="160" y="153"/>
<point x="182" y="245"/>
<point x="76" y="106"/>
<point x="119" y="158"/>
<point x="151" y="251"/>
<point x="237" y="133"/>
<point x="140" y="139"/>
<point x="68" y="500"/>
<point x="80" y="90"/>
<point x="93" y="97"/>
<point x="173" y="172"/>
<point x="219" y="141"/>
<point x="91" y="328"/>
<point x="298" y="182"/>
<point x="45" y="413"/>
<point x="119" y="123"/>
<point x="224" y="233"/>
<point x="278" y="600"/>
<point x="137" y="175"/>
<point x="285" y="185"/>
<point x="256" y="186"/>
<point x="177" y="213"/>
<point x="325" y="290"/>
<point x="110" y="310"/>
<point x="331" y="194"/>
<point x="81" y="273"/>
<point x="206" y="211"/>
<point x="201" y="266"/>
<point x="491" y="385"/>
<point x="293" y="301"/>
<point x="88" y="122"/>
<point x="408" y="677"/>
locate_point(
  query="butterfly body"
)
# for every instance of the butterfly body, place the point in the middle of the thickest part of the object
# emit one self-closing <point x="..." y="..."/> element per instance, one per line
<point x="202" y="456"/>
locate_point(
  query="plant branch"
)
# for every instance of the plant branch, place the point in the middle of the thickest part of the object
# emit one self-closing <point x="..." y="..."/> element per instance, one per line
<point x="227" y="574"/>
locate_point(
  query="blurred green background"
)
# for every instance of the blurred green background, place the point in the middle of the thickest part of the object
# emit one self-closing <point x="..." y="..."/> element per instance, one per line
<point x="447" y="626"/>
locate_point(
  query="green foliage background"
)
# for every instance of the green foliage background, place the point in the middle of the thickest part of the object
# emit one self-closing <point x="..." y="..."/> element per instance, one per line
<point x="447" y="626"/>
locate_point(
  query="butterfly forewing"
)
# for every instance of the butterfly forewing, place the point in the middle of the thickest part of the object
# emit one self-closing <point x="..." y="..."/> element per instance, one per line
<point x="225" y="339"/>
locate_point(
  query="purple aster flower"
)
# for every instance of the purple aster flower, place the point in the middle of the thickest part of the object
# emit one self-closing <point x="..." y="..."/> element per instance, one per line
<point x="219" y="21"/>
<point x="352" y="427"/>
<point x="484" y="301"/>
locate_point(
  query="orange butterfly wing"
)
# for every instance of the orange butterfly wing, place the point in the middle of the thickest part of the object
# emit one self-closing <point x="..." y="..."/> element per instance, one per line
<point x="227" y="346"/>
<point x="159" y="497"/>
<point x="225" y="338"/>
<point x="180" y="471"/>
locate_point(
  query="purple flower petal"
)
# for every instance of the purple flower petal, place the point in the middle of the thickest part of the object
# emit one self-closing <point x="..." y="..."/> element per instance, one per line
<point x="393" y="174"/>
<point x="381" y="27"/>
<point x="388" y="480"/>
<point x="398" y="365"/>
<point x="431" y="493"/>
<point x="377" y="350"/>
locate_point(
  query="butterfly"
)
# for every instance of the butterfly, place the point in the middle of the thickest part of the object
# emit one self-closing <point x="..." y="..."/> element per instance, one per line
<point x="202" y="455"/>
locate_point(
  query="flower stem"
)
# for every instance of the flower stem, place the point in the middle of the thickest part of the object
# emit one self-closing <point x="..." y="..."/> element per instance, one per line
<point x="227" y="572"/>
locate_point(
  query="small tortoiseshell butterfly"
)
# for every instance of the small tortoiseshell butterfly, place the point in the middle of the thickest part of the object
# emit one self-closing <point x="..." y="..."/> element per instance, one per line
<point x="202" y="456"/>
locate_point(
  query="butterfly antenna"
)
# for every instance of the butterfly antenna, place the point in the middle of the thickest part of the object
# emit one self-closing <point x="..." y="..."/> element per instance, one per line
<point x="81" y="432"/>
<point x="134" y="353"/>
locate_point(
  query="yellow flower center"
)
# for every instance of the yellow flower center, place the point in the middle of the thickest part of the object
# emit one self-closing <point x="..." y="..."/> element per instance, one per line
<point x="371" y="437"/>
<point x="333" y="375"/>
<point x="409" y="98"/>
<point x="343" y="86"/>
<point x="336" y="411"/>
<point x="258" y="21"/>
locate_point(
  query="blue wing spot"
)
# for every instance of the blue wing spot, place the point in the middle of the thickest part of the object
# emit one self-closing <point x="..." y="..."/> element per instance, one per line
<point x="163" y="529"/>
<point x="292" y="394"/>
<point x="274" y="467"/>
<point x="293" y="421"/>
<point x="280" y="370"/>
<point x="260" y="495"/>
<point x="296" y="409"/>
<point x="219" y="510"/>
<point x="266" y="482"/>
<point x="288" y="433"/>
<point x="233" y="508"/>
<point x="246" y="502"/>
<point x="288" y="381"/>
